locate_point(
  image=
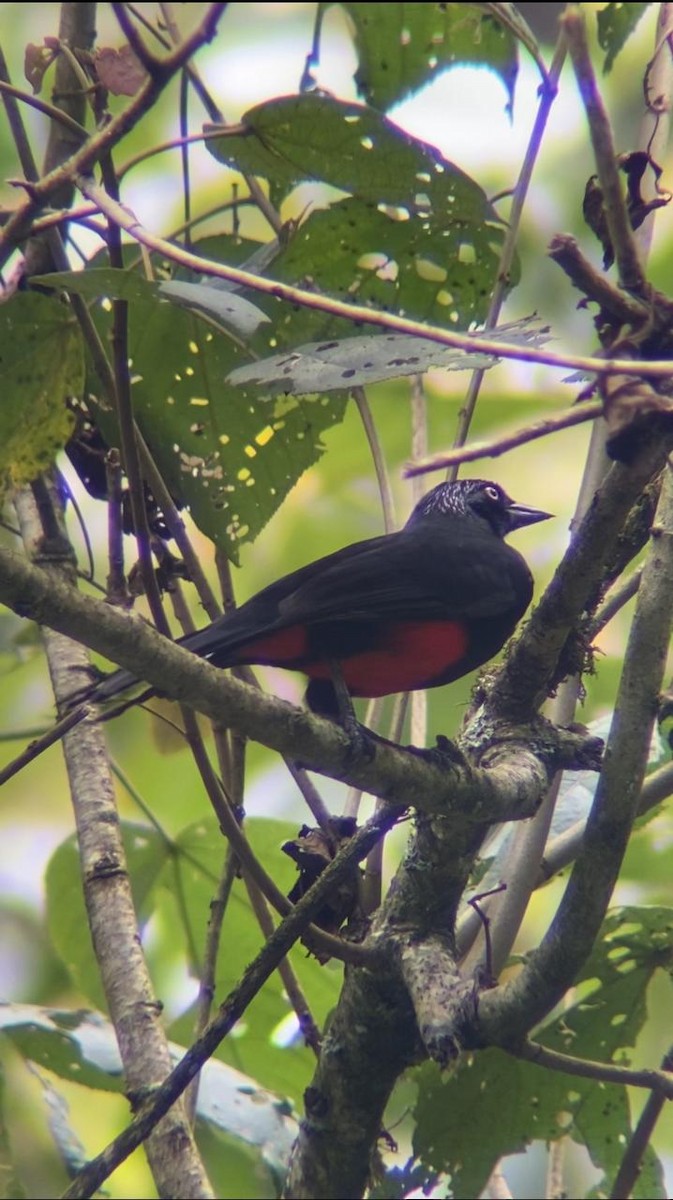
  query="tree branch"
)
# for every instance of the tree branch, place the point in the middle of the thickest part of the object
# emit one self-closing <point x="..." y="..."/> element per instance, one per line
<point x="496" y="446"/>
<point x="621" y="235"/>
<point x="659" y="1082"/>
<point x="103" y="141"/>
<point x="134" y="1010"/>
<point x="152" y="1108"/>
<point x="509" y="1012"/>
<point x="508" y="789"/>
<point x="477" y="344"/>
<point x="532" y="665"/>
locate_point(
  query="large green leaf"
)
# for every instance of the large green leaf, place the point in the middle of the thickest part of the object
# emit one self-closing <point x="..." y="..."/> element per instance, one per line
<point x="146" y="853"/>
<point x="223" y="454"/>
<point x="437" y="266"/>
<point x="519" y="1102"/>
<point x="417" y="236"/>
<point x="404" y="46"/>
<point x="356" y="149"/>
<point x="42" y="366"/>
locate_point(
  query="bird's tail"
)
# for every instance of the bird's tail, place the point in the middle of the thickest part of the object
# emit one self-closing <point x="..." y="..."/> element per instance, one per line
<point x="205" y="643"/>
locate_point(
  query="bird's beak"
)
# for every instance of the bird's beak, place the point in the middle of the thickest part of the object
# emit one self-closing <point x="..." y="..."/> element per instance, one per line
<point x="520" y="515"/>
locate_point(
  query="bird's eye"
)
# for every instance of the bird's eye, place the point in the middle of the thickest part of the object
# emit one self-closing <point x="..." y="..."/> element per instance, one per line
<point x="491" y="492"/>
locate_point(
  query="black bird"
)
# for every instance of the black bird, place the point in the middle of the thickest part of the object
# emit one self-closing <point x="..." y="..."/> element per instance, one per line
<point x="413" y="609"/>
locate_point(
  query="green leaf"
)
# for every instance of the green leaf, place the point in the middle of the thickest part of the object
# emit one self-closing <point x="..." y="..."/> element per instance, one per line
<point x="42" y="366"/>
<point x="403" y="49"/>
<point x="438" y="265"/>
<point x="286" y="141"/>
<point x="519" y="1102"/>
<point x="616" y="23"/>
<point x="146" y="853"/>
<point x="223" y="454"/>
<point x="417" y="236"/>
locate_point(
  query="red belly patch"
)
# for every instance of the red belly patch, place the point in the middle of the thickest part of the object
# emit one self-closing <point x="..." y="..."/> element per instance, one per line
<point x="285" y="646"/>
<point x="414" y="656"/>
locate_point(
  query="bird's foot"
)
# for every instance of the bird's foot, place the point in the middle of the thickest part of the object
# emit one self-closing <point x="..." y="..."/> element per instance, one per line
<point x="444" y="753"/>
<point x="362" y="740"/>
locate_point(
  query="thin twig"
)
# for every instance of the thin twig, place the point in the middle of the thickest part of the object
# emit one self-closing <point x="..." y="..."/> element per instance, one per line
<point x="254" y="977"/>
<point x="116" y="580"/>
<point x="256" y="191"/>
<point x="314" y="801"/>
<point x="204" y="1000"/>
<point x="494" y="447"/>
<point x="629" y="1168"/>
<point x="125" y="421"/>
<point x="198" y="84"/>
<point x="148" y="60"/>
<point x="621" y="235"/>
<point x="547" y="97"/>
<point x="658" y="1081"/>
<point x="359" y="313"/>
<point x="378" y="458"/>
<point x="619" y="595"/>
<point x="295" y="992"/>
<point x="143" y="156"/>
<point x="105" y="138"/>
<point x="48" y="110"/>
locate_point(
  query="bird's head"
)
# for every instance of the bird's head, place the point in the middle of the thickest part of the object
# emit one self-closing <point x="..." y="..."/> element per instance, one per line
<point x="477" y="498"/>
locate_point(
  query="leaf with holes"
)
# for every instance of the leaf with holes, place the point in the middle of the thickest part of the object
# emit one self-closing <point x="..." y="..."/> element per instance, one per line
<point x="359" y="361"/>
<point x="285" y="141"/>
<point x="434" y="266"/>
<point x="416" y="42"/>
<point x="42" y="366"/>
<point x="82" y="1047"/>
<point x="220" y="451"/>
<point x="519" y="1102"/>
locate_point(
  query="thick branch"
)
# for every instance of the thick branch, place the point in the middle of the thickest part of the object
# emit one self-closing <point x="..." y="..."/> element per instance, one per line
<point x="508" y="789"/>
<point x="509" y="1012"/>
<point x="133" y="1006"/>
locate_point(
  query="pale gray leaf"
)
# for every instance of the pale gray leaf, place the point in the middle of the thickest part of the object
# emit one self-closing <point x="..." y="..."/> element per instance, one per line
<point x="82" y="1045"/>
<point x="224" y="306"/>
<point x="358" y="361"/>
